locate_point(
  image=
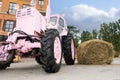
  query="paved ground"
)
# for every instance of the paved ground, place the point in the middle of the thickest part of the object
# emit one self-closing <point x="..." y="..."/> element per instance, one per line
<point x="28" y="69"/>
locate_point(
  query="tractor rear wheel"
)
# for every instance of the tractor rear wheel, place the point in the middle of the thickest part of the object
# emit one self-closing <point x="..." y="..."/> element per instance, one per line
<point x="38" y="60"/>
<point x="5" y="64"/>
<point x="36" y="52"/>
<point x="68" y="49"/>
<point x="52" y="52"/>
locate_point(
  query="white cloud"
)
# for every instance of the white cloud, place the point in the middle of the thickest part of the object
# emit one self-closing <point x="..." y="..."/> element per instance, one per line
<point x="88" y="18"/>
<point x="113" y="12"/>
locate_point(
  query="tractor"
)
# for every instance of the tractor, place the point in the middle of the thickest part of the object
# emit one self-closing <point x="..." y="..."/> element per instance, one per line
<point x="45" y="37"/>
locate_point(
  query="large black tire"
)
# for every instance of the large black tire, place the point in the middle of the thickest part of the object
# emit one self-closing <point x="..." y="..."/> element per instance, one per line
<point x="5" y="64"/>
<point x="67" y="49"/>
<point x="48" y="58"/>
<point x="36" y="52"/>
<point x="38" y="60"/>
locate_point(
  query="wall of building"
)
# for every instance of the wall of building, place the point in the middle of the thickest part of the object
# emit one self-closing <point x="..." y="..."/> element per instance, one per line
<point x="5" y="6"/>
<point x="5" y="15"/>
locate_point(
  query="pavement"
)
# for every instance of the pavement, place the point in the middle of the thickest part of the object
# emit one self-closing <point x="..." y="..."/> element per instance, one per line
<point x="28" y="69"/>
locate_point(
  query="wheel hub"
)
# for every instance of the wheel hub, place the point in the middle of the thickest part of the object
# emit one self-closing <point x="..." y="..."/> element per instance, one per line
<point x="72" y="49"/>
<point x="57" y="50"/>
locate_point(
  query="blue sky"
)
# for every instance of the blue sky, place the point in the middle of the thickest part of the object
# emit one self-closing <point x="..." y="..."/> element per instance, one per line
<point x="87" y="14"/>
<point x="59" y="5"/>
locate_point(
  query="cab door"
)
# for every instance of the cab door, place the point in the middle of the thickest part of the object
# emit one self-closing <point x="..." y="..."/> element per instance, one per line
<point x="60" y="25"/>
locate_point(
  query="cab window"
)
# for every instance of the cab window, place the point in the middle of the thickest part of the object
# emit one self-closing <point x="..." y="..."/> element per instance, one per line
<point x="53" y="20"/>
<point x="61" y="22"/>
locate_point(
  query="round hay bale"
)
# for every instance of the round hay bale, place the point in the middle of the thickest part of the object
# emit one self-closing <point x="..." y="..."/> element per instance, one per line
<point x="117" y="53"/>
<point x="95" y="52"/>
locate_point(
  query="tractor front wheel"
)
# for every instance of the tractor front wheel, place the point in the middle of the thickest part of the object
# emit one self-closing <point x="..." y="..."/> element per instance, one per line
<point x="52" y="52"/>
<point x="10" y="57"/>
<point x="37" y="59"/>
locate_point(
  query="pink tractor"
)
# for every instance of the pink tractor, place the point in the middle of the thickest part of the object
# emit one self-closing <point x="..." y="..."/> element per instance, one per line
<point x="45" y="37"/>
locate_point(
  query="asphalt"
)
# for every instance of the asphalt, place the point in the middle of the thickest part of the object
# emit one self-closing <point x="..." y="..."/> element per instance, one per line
<point x="28" y="69"/>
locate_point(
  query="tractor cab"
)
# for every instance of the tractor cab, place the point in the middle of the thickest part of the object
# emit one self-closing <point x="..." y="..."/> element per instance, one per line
<point x="58" y="22"/>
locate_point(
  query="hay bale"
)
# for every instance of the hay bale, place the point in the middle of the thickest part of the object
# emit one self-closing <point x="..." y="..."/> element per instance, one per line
<point x="117" y="53"/>
<point x="95" y="52"/>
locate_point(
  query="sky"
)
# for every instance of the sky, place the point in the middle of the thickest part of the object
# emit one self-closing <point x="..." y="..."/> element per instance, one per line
<point x="87" y="14"/>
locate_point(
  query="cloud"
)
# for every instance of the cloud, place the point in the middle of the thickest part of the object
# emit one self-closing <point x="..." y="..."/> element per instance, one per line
<point x="88" y="18"/>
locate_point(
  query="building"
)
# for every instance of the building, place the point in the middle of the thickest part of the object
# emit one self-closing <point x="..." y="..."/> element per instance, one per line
<point x="7" y="13"/>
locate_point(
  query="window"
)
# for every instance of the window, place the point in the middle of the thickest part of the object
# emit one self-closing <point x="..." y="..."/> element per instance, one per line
<point x="53" y="20"/>
<point x="12" y="8"/>
<point x="41" y="2"/>
<point x="9" y="25"/>
<point x="25" y="6"/>
<point x="0" y="4"/>
<point x="61" y="22"/>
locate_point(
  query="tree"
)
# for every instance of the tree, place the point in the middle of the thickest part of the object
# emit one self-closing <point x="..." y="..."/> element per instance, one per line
<point x="76" y="34"/>
<point x="86" y="35"/>
<point x="94" y="34"/>
<point x="105" y="32"/>
<point x="111" y="33"/>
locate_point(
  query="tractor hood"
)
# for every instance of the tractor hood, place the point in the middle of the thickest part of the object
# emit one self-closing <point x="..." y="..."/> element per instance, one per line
<point x="30" y="20"/>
